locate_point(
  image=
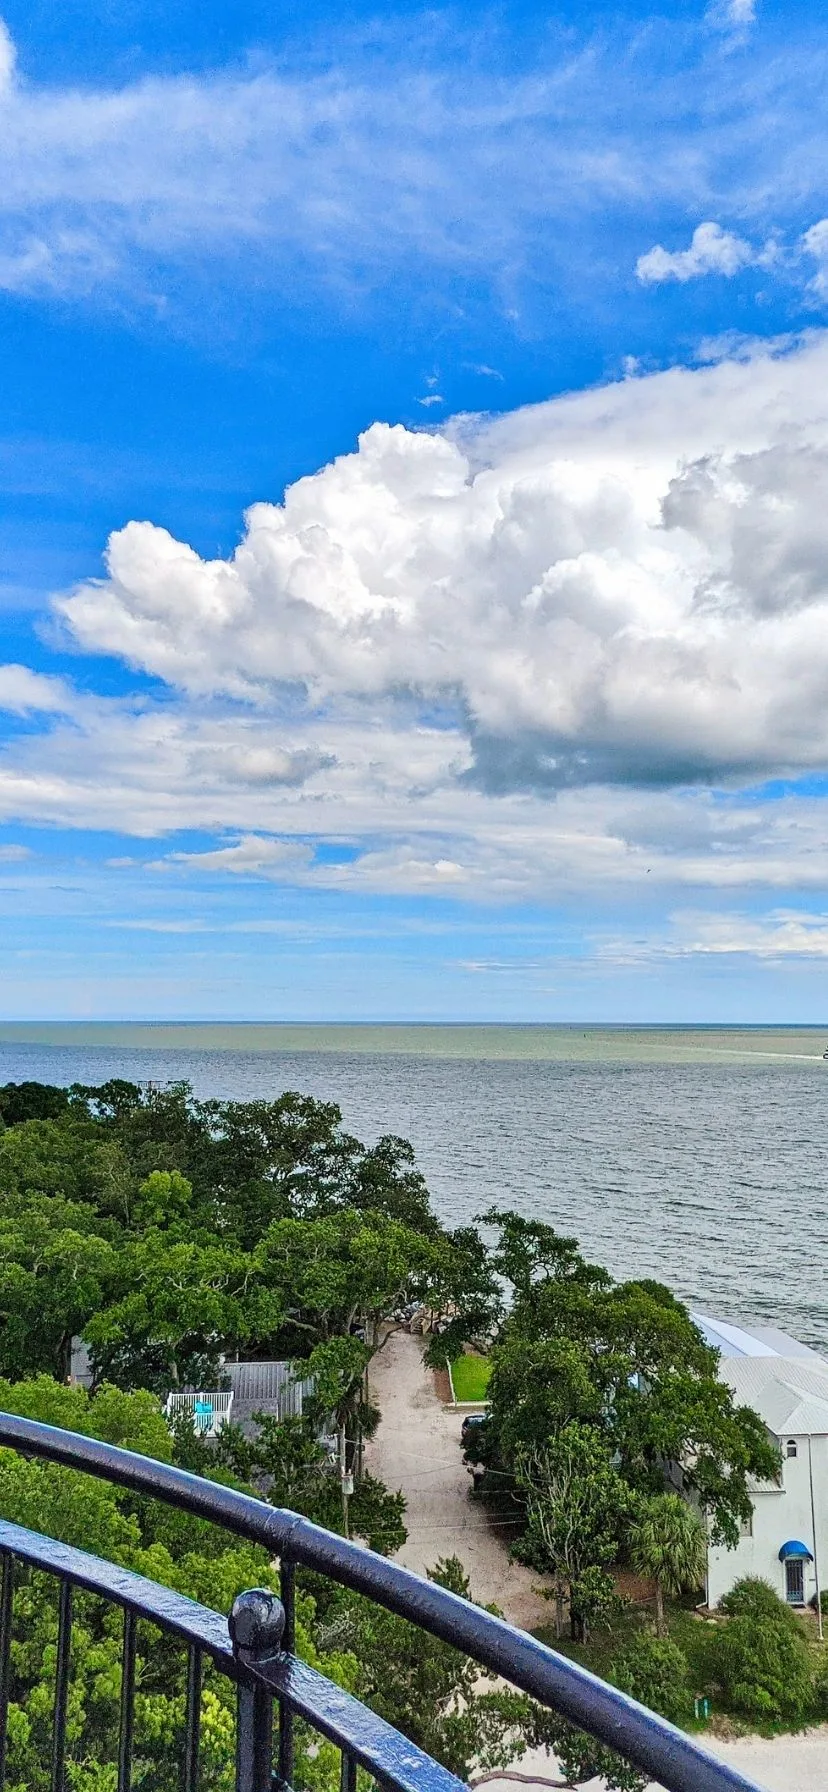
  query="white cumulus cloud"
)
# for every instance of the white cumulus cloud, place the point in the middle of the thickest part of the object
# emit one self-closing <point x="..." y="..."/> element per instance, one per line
<point x="629" y="584"/>
<point x="712" y="251"/>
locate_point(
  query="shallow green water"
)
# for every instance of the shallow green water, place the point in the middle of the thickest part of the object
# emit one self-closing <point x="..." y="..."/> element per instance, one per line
<point x="631" y="1045"/>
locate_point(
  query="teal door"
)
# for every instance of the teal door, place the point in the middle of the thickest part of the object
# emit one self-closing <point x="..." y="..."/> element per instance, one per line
<point x="795" y="1581"/>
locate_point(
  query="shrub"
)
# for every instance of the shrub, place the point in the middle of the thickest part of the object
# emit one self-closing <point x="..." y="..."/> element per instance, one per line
<point x="655" y="1671"/>
<point x="762" y="1661"/>
<point x="594" y="1603"/>
<point x="755" y="1598"/>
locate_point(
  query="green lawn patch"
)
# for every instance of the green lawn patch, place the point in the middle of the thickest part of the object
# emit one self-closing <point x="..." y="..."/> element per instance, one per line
<point x="470" y="1375"/>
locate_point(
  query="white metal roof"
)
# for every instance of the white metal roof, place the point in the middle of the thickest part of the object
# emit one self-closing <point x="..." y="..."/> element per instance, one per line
<point x="750" y="1339"/>
<point x="783" y="1380"/>
<point x="789" y="1393"/>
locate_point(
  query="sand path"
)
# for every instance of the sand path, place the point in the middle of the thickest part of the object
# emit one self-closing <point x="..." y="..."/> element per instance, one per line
<point x="778" y="1764"/>
<point x="417" y="1448"/>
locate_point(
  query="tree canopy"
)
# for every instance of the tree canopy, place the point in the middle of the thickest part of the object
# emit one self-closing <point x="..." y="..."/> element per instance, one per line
<point x="623" y="1360"/>
<point x="172" y="1234"/>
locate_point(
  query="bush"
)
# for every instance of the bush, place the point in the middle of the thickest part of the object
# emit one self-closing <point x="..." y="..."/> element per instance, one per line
<point x="755" y="1598"/>
<point x="655" y="1671"/>
<point x="762" y="1663"/>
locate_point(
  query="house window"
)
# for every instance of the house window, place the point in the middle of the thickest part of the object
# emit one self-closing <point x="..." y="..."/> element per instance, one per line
<point x="746" y="1527"/>
<point x="790" y="1447"/>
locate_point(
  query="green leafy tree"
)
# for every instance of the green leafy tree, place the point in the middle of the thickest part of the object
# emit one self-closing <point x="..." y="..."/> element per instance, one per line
<point x="173" y="1548"/>
<point x="432" y="1692"/>
<point x="626" y="1359"/>
<point x="286" y="1461"/>
<point x="668" y="1543"/>
<point x="31" y="1101"/>
<point x="577" y="1504"/>
<point x="344" y="1270"/>
<point x="594" y="1601"/>
<point x="174" y="1308"/>
<point x="55" y="1268"/>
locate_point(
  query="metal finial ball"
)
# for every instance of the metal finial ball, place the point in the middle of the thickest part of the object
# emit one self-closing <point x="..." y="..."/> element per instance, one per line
<point x="257" y="1623"/>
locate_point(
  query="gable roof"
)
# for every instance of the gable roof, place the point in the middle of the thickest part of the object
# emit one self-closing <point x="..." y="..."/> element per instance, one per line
<point x="783" y="1380"/>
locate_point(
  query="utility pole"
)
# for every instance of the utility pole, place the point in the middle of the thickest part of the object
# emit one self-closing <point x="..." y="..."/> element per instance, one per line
<point x="346" y="1481"/>
<point x="816" y="1546"/>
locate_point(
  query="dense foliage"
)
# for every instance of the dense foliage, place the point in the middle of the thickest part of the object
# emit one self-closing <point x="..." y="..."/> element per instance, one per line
<point x="761" y="1659"/>
<point x="596" y="1387"/>
<point x="655" y="1671"/>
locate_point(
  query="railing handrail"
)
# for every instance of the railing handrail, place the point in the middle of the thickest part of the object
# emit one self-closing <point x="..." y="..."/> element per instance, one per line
<point x="657" y="1747"/>
<point x="332" y="1711"/>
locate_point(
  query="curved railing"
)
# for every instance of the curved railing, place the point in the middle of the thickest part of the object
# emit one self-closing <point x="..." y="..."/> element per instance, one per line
<point x="254" y="1647"/>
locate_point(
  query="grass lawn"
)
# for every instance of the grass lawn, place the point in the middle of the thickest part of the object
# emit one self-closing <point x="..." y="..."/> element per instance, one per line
<point x="470" y="1375"/>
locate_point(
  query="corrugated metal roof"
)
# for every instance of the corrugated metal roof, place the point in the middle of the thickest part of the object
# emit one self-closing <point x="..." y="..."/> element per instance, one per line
<point x="789" y="1393"/>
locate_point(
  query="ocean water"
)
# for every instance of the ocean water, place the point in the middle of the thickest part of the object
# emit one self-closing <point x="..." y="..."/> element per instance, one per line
<point x="699" y="1156"/>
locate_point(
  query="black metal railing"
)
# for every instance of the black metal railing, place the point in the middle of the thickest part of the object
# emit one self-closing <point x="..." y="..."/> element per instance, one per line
<point x="254" y="1646"/>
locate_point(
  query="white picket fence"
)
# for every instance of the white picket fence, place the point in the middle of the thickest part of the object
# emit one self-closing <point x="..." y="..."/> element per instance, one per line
<point x="209" y="1411"/>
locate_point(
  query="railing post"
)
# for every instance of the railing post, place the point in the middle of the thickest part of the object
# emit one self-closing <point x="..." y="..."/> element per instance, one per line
<point x="256" y="1624"/>
<point x="287" y="1582"/>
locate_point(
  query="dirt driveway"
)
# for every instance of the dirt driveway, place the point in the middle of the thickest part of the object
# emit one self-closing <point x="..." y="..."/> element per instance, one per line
<point x="417" y="1448"/>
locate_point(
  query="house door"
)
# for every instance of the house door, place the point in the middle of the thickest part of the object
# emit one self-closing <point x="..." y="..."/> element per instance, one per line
<point x="795" y="1582"/>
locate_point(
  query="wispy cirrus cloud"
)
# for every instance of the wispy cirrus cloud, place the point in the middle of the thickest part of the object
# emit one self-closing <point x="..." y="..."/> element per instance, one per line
<point x="254" y="855"/>
<point x="732" y="16"/>
<point x="346" y="164"/>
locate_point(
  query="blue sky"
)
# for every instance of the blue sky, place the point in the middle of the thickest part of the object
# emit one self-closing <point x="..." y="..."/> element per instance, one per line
<point x="507" y="698"/>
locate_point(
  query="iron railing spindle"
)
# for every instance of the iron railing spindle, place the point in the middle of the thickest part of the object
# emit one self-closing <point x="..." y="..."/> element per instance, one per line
<point x="127" y="1704"/>
<point x="287" y="1587"/>
<point x="192" y="1727"/>
<point x="64" y="1651"/>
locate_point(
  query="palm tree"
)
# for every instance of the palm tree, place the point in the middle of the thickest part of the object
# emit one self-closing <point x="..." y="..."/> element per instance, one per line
<point x="668" y="1542"/>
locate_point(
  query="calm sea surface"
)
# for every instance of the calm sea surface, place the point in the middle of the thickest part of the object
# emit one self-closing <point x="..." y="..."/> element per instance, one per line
<point x="699" y="1156"/>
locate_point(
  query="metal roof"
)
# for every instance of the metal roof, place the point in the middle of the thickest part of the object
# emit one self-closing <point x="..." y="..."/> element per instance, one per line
<point x="749" y="1339"/>
<point x="784" y="1381"/>
<point x="790" y="1394"/>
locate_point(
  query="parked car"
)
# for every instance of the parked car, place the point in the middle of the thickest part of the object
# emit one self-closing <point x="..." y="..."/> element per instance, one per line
<point x="471" y="1427"/>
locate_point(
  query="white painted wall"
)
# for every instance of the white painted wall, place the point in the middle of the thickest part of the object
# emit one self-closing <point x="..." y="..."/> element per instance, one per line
<point x="780" y="1513"/>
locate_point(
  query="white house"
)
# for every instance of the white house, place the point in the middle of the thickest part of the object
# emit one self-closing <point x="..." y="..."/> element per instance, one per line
<point x="787" y="1385"/>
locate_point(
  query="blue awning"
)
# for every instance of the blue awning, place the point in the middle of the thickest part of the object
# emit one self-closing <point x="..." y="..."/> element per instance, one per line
<point x="794" y="1551"/>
